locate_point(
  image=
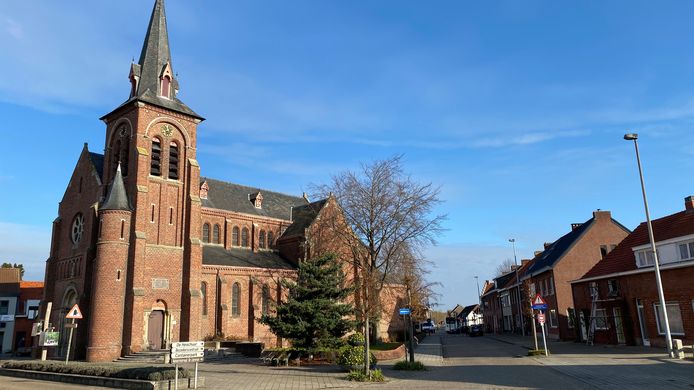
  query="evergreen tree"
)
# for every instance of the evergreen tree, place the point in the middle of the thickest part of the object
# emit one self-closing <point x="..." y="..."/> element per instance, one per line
<point x="315" y="314"/>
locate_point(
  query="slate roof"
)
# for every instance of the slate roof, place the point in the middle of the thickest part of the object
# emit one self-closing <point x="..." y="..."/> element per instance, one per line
<point x="556" y="250"/>
<point x="117" y="198"/>
<point x="467" y="310"/>
<point x="234" y="197"/>
<point x="98" y="162"/>
<point x="303" y="217"/>
<point x="622" y="259"/>
<point x="521" y="271"/>
<point x="238" y="257"/>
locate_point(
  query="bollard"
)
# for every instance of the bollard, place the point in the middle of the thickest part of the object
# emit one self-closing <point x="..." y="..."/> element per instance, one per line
<point x="677" y="348"/>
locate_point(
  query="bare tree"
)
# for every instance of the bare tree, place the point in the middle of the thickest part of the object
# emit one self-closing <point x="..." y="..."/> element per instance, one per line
<point x="387" y="212"/>
<point x="505" y="267"/>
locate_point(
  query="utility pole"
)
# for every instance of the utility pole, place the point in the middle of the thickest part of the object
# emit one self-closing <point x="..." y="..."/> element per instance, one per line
<point x="518" y="300"/>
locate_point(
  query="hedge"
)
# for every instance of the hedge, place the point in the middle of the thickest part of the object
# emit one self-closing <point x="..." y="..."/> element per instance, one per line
<point x="148" y="373"/>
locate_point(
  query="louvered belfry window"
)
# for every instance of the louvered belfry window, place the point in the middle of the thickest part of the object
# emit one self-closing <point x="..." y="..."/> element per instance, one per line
<point x="173" y="161"/>
<point x="155" y="166"/>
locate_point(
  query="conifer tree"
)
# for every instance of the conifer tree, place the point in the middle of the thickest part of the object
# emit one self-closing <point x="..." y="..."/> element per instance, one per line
<point x="315" y="314"/>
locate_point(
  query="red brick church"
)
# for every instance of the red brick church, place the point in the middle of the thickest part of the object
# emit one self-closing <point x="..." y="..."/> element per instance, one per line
<point x="154" y="253"/>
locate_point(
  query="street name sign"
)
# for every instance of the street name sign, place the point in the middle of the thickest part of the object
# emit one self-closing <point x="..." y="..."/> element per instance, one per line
<point x="187" y="352"/>
<point x="404" y="311"/>
<point x="538" y="303"/>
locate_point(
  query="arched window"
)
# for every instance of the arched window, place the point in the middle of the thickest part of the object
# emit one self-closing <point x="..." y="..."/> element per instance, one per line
<point x="155" y="164"/>
<point x="166" y="86"/>
<point x="266" y="300"/>
<point x="203" y="295"/>
<point x="206" y="233"/>
<point x="235" y="299"/>
<point x="173" y="161"/>
<point x="235" y="236"/>
<point x="215" y="234"/>
<point x="270" y="239"/>
<point x="261" y="239"/>
<point x="77" y="228"/>
<point x="244" y="237"/>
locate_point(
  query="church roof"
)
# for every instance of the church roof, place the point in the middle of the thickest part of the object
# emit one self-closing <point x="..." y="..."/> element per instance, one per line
<point x="243" y="257"/>
<point x="117" y="198"/>
<point x="235" y="197"/>
<point x="98" y="162"/>
<point x="303" y="217"/>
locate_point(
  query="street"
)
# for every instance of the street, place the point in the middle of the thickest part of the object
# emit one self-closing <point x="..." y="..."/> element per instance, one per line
<point x="498" y="362"/>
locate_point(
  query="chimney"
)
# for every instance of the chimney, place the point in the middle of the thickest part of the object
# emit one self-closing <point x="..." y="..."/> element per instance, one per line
<point x="575" y="226"/>
<point x="600" y="214"/>
<point x="537" y="253"/>
<point x="689" y="204"/>
<point x="548" y="244"/>
<point x="524" y="262"/>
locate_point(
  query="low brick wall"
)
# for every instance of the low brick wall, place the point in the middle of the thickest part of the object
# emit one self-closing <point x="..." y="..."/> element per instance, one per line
<point x="116" y="383"/>
<point x="397" y="353"/>
<point x="250" y="349"/>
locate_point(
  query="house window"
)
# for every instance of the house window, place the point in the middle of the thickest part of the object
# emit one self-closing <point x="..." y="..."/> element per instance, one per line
<point x="603" y="251"/>
<point x="244" y="237"/>
<point x="32" y="308"/>
<point x="203" y="295"/>
<point x="173" y="161"/>
<point x="674" y="317"/>
<point x="686" y="250"/>
<point x="550" y="284"/>
<point x="270" y="239"/>
<point x="206" y="233"/>
<point x="533" y="291"/>
<point x="4" y="307"/>
<point x="261" y="239"/>
<point x="122" y="229"/>
<point x="235" y="236"/>
<point x="266" y="300"/>
<point x="155" y="163"/>
<point x="645" y="258"/>
<point x="600" y="319"/>
<point x="235" y="299"/>
<point x="593" y="288"/>
<point x="553" y="320"/>
<point x="612" y="288"/>
<point x="215" y="234"/>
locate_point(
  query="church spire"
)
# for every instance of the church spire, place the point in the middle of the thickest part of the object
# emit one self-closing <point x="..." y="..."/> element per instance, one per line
<point x="117" y="198"/>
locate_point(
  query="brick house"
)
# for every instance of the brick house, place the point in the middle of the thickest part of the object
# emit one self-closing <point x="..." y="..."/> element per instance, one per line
<point x="30" y="294"/>
<point x="510" y="293"/>
<point x="496" y="304"/>
<point x="155" y="253"/>
<point x="623" y="286"/>
<point x="490" y="301"/>
<point x="9" y="295"/>
<point x="567" y="259"/>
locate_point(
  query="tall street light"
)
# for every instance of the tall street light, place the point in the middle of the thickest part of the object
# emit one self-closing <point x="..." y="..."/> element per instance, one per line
<point x="518" y="300"/>
<point x="479" y="297"/>
<point x="658" y="281"/>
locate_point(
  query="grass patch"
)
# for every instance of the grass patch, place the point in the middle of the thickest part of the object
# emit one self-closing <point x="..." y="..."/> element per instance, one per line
<point x="148" y="373"/>
<point x="536" y="352"/>
<point x="404" y="365"/>
<point x="359" y="376"/>
<point x="384" y="346"/>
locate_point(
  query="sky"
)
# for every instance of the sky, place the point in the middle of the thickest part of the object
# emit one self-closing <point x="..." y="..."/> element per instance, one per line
<point x="515" y="109"/>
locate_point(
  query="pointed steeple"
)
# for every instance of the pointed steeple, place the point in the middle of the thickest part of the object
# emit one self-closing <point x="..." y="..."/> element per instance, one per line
<point x="117" y="198"/>
<point x="152" y="77"/>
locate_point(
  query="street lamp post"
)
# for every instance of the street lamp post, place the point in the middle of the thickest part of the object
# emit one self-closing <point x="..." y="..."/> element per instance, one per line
<point x="518" y="300"/>
<point x="659" y="283"/>
<point x="479" y="297"/>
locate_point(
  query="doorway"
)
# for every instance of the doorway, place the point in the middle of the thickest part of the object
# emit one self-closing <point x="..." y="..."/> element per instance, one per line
<point x="642" y="323"/>
<point x="619" y="325"/>
<point x="155" y="330"/>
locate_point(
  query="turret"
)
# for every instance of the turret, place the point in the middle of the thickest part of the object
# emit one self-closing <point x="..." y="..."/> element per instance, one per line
<point x="109" y="274"/>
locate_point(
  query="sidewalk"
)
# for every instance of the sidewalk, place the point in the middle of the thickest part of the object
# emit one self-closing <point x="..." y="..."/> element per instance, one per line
<point x="430" y="351"/>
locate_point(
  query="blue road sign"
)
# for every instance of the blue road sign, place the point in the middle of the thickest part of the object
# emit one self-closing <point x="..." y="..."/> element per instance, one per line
<point x="540" y="307"/>
<point x="404" y="311"/>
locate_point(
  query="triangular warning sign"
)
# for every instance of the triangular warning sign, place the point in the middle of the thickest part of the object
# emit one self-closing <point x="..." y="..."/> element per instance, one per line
<point x="536" y="301"/>
<point x="74" y="313"/>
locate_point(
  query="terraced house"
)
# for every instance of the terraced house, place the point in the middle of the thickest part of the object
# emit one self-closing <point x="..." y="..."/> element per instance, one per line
<point x="154" y="253"/>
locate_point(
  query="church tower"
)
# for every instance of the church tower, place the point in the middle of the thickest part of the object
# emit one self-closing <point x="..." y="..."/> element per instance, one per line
<point x="152" y="137"/>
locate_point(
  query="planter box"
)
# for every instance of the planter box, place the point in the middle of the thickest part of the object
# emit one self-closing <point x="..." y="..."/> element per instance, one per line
<point x="397" y="353"/>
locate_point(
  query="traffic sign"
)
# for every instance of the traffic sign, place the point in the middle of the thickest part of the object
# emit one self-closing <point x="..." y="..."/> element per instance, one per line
<point x="404" y="311"/>
<point x="74" y="313"/>
<point x="541" y="318"/>
<point x="538" y="303"/>
<point x="193" y="351"/>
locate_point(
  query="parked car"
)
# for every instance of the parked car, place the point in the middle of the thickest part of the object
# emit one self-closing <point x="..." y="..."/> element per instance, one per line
<point x="476" y="330"/>
<point x="428" y="327"/>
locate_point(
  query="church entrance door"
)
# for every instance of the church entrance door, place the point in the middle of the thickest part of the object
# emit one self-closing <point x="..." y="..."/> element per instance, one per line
<point x="155" y="330"/>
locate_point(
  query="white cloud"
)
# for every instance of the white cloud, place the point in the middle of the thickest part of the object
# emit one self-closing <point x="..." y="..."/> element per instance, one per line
<point x="25" y="244"/>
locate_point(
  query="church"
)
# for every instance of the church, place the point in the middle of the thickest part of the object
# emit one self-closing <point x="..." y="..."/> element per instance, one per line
<point x="155" y="253"/>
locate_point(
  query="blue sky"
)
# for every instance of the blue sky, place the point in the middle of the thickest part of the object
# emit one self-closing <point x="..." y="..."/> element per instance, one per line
<point x="516" y="109"/>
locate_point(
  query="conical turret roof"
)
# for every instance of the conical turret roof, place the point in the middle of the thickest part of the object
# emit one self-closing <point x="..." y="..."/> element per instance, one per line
<point x="117" y="198"/>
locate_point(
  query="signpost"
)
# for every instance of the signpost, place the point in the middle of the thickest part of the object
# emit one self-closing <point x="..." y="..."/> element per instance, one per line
<point x="538" y="303"/>
<point x="47" y="317"/>
<point x="73" y="314"/>
<point x="187" y="352"/>
<point x="406" y="312"/>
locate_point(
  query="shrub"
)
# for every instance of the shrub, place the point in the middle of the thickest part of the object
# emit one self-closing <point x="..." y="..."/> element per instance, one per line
<point x="359" y="376"/>
<point x="409" y="366"/>
<point x="350" y="356"/>
<point x="356" y="339"/>
<point x="536" y="352"/>
<point x="149" y="373"/>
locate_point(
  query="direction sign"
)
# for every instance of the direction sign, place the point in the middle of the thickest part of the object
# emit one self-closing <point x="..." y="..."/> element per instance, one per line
<point x="191" y="351"/>
<point x="538" y="303"/>
<point x="74" y="313"/>
<point x="541" y="318"/>
<point x="404" y="311"/>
